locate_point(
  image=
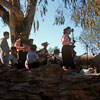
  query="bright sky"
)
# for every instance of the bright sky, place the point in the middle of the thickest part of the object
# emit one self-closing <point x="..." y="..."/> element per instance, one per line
<point x="49" y="32"/>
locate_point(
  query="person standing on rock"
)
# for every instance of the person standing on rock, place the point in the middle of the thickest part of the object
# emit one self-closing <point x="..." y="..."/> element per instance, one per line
<point x="4" y="49"/>
<point x="67" y="55"/>
<point x="20" y="46"/>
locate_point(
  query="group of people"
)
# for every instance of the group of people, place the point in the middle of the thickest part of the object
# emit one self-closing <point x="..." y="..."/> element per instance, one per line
<point x="24" y="53"/>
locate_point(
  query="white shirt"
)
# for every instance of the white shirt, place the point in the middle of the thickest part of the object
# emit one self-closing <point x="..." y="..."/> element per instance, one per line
<point x="11" y="57"/>
<point x="31" y="57"/>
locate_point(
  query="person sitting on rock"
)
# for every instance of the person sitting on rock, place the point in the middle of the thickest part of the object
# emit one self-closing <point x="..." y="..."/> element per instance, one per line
<point x="58" y="59"/>
<point x="21" y="49"/>
<point x="13" y="57"/>
<point x="32" y="57"/>
<point x="43" y="53"/>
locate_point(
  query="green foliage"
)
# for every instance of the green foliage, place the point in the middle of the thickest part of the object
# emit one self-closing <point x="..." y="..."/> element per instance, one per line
<point x="86" y="13"/>
<point x="93" y="41"/>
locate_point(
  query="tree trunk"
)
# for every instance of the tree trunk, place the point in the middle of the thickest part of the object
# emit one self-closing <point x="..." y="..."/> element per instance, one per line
<point x="15" y="18"/>
<point x="12" y="22"/>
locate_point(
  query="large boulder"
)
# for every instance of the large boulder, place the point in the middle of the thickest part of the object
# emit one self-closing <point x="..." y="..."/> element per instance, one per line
<point x="48" y="83"/>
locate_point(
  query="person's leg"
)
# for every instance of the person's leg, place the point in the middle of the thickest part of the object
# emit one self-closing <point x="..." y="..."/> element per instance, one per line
<point x="4" y="59"/>
<point x="65" y="56"/>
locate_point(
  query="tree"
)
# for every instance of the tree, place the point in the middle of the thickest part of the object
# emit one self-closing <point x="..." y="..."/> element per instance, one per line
<point x="86" y="13"/>
<point x="21" y="20"/>
<point x="12" y="15"/>
<point x="17" y="19"/>
<point x="93" y="42"/>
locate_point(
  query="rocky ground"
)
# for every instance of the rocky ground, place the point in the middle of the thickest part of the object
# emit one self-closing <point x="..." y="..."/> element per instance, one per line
<point x="47" y="83"/>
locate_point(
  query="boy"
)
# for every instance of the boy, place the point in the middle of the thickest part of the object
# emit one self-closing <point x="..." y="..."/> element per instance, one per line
<point x="4" y="49"/>
<point x="13" y="57"/>
<point x="32" y="57"/>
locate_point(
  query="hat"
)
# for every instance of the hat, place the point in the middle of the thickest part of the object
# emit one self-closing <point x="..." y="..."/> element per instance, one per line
<point x="45" y="44"/>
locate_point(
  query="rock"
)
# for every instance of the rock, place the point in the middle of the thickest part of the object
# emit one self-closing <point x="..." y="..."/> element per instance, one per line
<point x="48" y="83"/>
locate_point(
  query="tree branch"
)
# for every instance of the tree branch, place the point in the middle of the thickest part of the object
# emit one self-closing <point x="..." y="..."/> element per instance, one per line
<point x="16" y="11"/>
<point x="4" y="14"/>
<point x="30" y="13"/>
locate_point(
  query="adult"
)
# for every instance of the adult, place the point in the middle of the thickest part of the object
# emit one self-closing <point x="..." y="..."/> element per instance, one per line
<point x="4" y="49"/>
<point x="20" y="46"/>
<point x="43" y="53"/>
<point x="67" y="49"/>
<point x="31" y="41"/>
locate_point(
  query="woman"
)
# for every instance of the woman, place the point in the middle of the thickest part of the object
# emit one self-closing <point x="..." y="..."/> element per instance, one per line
<point x="20" y="45"/>
<point x="67" y="54"/>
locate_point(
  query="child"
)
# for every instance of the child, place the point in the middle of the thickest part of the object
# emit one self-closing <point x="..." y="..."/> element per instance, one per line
<point x="56" y="54"/>
<point x="58" y="59"/>
<point x="32" y="57"/>
<point x="13" y="57"/>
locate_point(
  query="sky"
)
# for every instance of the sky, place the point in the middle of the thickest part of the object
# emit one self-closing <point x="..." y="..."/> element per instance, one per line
<point x="49" y="32"/>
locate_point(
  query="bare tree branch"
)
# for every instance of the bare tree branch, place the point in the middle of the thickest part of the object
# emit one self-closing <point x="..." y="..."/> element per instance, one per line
<point x="15" y="10"/>
<point x="4" y="14"/>
<point x="30" y="13"/>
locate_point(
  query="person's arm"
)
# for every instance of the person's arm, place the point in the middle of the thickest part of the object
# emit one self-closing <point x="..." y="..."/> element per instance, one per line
<point x="3" y="47"/>
<point x="26" y="65"/>
<point x="26" y="62"/>
<point x="17" y="45"/>
<point x="11" y="59"/>
<point x="37" y="57"/>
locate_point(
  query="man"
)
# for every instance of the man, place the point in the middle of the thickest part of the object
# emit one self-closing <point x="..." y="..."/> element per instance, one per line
<point x="43" y="53"/>
<point x="4" y="49"/>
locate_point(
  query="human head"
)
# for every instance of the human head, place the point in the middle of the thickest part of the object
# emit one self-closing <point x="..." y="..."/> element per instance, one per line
<point x="27" y="46"/>
<point x="13" y="50"/>
<point x="23" y="36"/>
<point x="45" y="44"/>
<point x="67" y="30"/>
<point x="33" y="48"/>
<point x="31" y="41"/>
<point x="56" y="51"/>
<point x="6" y="35"/>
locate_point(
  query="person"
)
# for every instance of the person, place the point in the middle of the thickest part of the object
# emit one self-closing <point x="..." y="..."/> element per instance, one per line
<point x="21" y="49"/>
<point x="32" y="57"/>
<point x="67" y="51"/>
<point x="19" y="43"/>
<point x="31" y="41"/>
<point x="13" y="57"/>
<point x="58" y="59"/>
<point x="4" y="49"/>
<point x="43" y="53"/>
